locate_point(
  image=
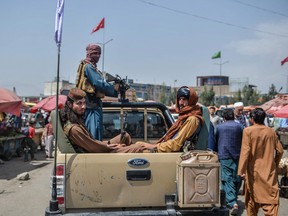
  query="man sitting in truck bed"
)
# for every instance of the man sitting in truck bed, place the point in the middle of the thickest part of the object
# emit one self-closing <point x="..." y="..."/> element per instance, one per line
<point x="72" y="121"/>
<point x="182" y="136"/>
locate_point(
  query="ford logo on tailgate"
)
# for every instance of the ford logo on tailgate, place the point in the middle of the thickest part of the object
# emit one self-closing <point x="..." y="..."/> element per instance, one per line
<point x="138" y="162"/>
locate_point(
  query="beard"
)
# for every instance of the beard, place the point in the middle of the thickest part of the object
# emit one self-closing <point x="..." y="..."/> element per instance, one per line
<point x="67" y="114"/>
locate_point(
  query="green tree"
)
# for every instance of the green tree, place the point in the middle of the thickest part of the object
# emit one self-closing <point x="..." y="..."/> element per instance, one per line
<point x="272" y="91"/>
<point x="271" y="94"/>
<point x="172" y="97"/>
<point x="238" y="96"/>
<point x="149" y="93"/>
<point x="250" y="96"/>
<point x="207" y="97"/>
<point x="163" y="97"/>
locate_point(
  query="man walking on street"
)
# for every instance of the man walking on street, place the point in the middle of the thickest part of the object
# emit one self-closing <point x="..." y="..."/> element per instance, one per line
<point x="261" y="153"/>
<point x="228" y="145"/>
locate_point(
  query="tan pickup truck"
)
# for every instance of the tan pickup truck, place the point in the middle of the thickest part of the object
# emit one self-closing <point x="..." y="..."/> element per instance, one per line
<point x="138" y="183"/>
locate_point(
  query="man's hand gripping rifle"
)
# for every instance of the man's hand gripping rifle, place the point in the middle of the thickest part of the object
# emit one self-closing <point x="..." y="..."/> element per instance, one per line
<point x="123" y="85"/>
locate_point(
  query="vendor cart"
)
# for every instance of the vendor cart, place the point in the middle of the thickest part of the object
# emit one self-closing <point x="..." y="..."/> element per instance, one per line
<point x="10" y="146"/>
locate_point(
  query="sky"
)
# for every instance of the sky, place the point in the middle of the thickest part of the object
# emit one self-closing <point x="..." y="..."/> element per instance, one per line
<point x="167" y="42"/>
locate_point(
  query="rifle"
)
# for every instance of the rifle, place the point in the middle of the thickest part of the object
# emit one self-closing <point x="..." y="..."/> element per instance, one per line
<point x="123" y="85"/>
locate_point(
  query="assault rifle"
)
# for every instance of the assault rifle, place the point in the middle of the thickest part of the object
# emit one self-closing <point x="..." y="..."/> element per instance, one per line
<point x="123" y="85"/>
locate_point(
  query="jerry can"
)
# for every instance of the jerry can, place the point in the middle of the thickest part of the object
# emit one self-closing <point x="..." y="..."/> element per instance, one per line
<point x="198" y="179"/>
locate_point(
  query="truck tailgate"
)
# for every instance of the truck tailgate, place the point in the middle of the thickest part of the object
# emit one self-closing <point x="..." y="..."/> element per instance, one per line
<point x="118" y="180"/>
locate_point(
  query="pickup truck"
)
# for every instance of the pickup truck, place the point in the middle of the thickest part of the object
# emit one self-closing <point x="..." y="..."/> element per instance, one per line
<point x="137" y="183"/>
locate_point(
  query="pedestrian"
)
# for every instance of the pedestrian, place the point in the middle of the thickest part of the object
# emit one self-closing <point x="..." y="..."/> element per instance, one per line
<point x="239" y="114"/>
<point x="48" y="138"/>
<point x="215" y="119"/>
<point x="228" y="146"/>
<point x="261" y="152"/>
<point x="29" y="146"/>
<point x="91" y="80"/>
<point x="72" y="121"/>
<point x="183" y="134"/>
<point x="211" y="137"/>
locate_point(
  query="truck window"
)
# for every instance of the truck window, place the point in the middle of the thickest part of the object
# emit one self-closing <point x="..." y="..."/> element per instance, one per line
<point x="133" y="123"/>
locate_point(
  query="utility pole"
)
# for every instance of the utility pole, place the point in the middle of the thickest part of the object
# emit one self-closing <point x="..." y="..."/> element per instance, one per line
<point x="103" y="51"/>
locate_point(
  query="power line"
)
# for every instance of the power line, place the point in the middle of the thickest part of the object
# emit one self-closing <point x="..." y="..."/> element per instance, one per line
<point x="259" y="8"/>
<point x="211" y="19"/>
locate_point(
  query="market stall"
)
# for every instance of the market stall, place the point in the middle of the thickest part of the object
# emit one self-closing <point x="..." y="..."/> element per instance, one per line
<point x="10" y="140"/>
<point x="10" y="146"/>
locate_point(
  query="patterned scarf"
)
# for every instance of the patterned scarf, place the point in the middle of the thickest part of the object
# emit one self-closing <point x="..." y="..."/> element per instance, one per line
<point x="90" y="49"/>
<point x="190" y="110"/>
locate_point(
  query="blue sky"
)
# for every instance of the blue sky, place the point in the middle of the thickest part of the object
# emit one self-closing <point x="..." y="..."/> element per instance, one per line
<point x="154" y="41"/>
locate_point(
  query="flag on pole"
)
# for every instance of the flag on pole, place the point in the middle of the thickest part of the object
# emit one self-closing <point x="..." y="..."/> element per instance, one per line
<point x="99" y="26"/>
<point x="284" y="61"/>
<point x="217" y="55"/>
<point x="59" y="21"/>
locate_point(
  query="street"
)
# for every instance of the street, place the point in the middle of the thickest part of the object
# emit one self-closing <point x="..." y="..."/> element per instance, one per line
<point x="31" y="197"/>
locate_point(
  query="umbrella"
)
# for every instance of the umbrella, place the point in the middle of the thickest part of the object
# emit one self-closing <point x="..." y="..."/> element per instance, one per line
<point x="282" y="113"/>
<point x="48" y="104"/>
<point x="10" y="102"/>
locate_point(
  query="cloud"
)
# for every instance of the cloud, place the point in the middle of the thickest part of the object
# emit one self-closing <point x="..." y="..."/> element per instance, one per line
<point x="264" y="44"/>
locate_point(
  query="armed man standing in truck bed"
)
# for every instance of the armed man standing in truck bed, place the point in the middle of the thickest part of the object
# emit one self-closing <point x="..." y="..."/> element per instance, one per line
<point x="91" y="80"/>
<point x="182" y="136"/>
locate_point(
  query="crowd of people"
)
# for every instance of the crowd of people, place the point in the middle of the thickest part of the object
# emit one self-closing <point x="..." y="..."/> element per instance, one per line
<point x="250" y="151"/>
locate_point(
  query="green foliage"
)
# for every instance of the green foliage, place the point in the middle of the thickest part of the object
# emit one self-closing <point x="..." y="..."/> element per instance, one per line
<point x="163" y="98"/>
<point x="272" y="92"/>
<point x="207" y="97"/>
<point x="250" y="96"/>
<point x="238" y="96"/>
<point x="172" y="97"/>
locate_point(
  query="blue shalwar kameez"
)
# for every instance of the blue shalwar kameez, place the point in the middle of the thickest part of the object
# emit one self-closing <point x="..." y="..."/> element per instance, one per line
<point x="93" y="113"/>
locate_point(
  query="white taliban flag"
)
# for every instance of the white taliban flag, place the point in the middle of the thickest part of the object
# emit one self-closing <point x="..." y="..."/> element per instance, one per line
<point x="59" y="21"/>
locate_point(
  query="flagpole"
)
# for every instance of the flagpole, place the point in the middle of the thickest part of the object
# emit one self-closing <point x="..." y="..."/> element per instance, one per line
<point x="103" y="51"/>
<point x="53" y="207"/>
<point x="220" y="89"/>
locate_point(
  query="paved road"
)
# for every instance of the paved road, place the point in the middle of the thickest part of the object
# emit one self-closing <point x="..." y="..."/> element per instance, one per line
<point x="31" y="197"/>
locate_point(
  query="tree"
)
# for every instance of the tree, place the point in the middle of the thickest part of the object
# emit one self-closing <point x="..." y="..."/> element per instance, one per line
<point x="250" y="96"/>
<point x="238" y="96"/>
<point x="163" y="93"/>
<point x="172" y="97"/>
<point x="272" y="92"/>
<point x="207" y="97"/>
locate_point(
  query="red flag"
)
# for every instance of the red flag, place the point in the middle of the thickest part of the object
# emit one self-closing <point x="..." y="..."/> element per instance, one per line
<point x="99" y="26"/>
<point x="284" y="61"/>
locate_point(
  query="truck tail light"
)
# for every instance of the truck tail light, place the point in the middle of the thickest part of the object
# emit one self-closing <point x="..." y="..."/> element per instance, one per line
<point x="60" y="179"/>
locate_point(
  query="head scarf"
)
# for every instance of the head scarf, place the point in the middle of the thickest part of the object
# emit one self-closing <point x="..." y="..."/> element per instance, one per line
<point x="192" y="109"/>
<point x="238" y="104"/>
<point x="91" y="48"/>
<point x="76" y="94"/>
